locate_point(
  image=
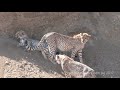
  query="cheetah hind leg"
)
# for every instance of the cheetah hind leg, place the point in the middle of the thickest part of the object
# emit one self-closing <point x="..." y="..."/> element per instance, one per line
<point x="52" y="53"/>
<point x="44" y="55"/>
<point x="52" y="58"/>
<point x="47" y="55"/>
<point x="45" y="52"/>
<point x="27" y="48"/>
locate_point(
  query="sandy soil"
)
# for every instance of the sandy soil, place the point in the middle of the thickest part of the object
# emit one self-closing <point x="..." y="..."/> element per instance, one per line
<point x="16" y="63"/>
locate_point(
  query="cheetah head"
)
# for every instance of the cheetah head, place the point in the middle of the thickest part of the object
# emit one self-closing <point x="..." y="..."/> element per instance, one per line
<point x="84" y="37"/>
<point x="23" y="42"/>
<point x="20" y="34"/>
<point x="59" y="58"/>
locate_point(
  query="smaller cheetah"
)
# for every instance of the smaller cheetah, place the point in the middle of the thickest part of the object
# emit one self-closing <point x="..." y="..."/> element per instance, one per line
<point x="62" y="42"/>
<point x="25" y="41"/>
<point x="73" y="68"/>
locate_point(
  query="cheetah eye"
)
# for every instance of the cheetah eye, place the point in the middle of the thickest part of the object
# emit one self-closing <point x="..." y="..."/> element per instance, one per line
<point x="57" y="57"/>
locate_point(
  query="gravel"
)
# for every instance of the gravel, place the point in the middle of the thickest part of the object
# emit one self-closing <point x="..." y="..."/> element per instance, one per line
<point x="25" y="69"/>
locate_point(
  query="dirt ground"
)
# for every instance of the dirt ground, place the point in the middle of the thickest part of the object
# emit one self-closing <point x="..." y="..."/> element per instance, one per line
<point x="20" y="64"/>
<point x="102" y="52"/>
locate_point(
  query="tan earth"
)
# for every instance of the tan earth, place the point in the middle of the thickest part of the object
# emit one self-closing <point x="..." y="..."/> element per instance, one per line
<point x="102" y="52"/>
<point x="16" y="63"/>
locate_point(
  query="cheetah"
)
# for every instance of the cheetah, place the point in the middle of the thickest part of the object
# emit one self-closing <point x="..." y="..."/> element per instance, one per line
<point x="62" y="42"/>
<point x="25" y="41"/>
<point x="30" y="44"/>
<point x="74" y="69"/>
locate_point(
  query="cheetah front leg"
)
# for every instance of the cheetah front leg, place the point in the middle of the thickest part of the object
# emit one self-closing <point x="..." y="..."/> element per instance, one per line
<point x="74" y="51"/>
<point x="80" y="56"/>
<point x="22" y="46"/>
<point x="45" y="52"/>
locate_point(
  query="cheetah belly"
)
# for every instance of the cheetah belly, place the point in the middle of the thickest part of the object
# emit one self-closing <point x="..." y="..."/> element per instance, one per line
<point x="64" y="47"/>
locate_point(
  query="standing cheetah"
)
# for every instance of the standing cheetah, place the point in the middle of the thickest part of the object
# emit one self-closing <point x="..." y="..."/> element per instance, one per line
<point x="73" y="68"/>
<point x="25" y="41"/>
<point x="62" y="42"/>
